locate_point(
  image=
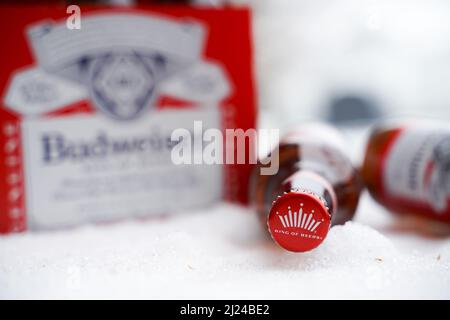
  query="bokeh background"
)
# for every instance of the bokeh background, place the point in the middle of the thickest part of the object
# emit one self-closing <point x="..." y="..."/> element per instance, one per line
<point x="385" y="58"/>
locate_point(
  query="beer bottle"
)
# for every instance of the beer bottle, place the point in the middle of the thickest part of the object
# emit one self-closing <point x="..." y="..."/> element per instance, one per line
<point x="315" y="187"/>
<point x="407" y="168"/>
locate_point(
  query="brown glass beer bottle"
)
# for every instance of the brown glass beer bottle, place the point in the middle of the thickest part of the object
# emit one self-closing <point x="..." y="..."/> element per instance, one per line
<point x="407" y="168"/>
<point x="315" y="187"/>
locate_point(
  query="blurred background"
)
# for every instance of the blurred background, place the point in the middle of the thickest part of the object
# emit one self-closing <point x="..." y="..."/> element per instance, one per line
<point x="352" y="60"/>
<point x="348" y="61"/>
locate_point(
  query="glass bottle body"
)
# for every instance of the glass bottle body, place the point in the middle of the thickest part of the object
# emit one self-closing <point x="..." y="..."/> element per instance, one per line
<point x="315" y="187"/>
<point x="407" y="168"/>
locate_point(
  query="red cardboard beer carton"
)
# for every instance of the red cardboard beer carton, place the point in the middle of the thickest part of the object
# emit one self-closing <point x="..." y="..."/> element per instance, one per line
<point x="86" y="114"/>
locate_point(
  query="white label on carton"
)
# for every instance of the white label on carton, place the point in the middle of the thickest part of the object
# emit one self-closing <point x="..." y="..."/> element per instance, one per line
<point x="418" y="167"/>
<point x="91" y="168"/>
<point x="55" y="46"/>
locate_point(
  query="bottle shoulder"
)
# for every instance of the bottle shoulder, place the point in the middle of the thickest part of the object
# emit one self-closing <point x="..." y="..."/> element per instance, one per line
<point x="329" y="162"/>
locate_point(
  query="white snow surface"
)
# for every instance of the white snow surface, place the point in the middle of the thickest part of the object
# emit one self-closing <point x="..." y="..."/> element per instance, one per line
<point x="222" y="253"/>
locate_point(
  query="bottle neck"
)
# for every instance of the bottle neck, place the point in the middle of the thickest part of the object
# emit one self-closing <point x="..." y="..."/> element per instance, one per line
<point x="311" y="182"/>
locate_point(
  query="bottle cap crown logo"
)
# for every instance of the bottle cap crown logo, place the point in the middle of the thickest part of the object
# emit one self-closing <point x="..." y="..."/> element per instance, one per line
<point x="298" y="221"/>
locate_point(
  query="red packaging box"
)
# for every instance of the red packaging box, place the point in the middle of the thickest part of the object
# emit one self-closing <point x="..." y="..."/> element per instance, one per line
<point x="86" y="114"/>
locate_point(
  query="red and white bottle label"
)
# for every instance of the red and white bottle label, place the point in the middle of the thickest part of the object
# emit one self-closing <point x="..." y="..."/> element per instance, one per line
<point x="417" y="167"/>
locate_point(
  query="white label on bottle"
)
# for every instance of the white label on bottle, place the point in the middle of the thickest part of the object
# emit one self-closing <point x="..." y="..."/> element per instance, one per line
<point x="418" y="167"/>
<point x="91" y="168"/>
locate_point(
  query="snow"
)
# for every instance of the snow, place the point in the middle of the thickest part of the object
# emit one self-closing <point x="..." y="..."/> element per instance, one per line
<point x="222" y="253"/>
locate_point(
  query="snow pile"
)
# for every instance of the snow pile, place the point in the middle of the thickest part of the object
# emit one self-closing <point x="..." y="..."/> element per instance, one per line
<point x="218" y="253"/>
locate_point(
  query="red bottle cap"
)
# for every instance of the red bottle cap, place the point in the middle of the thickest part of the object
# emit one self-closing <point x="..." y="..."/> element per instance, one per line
<point x="298" y="221"/>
